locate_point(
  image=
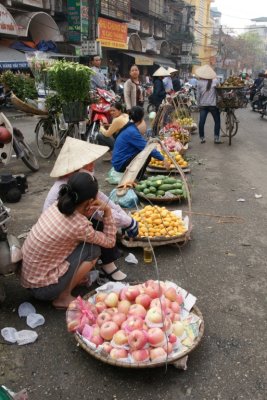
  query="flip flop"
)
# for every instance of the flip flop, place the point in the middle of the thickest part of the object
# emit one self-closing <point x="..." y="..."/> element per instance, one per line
<point x="109" y="275"/>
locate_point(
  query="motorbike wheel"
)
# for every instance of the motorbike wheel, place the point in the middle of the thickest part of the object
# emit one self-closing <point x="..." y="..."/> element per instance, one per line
<point x="28" y="157"/>
<point x="44" y="147"/>
<point x="150" y="108"/>
<point x="92" y="132"/>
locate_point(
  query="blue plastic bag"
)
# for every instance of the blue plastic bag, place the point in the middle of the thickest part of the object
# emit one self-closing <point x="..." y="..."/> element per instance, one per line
<point x="129" y="200"/>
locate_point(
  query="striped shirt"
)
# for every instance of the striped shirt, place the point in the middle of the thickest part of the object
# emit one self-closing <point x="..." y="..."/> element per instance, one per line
<point x="52" y="239"/>
<point x="206" y="97"/>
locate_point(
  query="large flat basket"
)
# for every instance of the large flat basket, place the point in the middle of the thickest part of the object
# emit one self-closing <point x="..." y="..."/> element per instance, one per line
<point x="104" y="357"/>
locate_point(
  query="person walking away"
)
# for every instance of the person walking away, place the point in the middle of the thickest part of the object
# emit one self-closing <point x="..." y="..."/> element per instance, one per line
<point x="159" y="92"/>
<point x="62" y="247"/>
<point x="176" y="83"/>
<point x="98" y="79"/>
<point x="131" y="142"/>
<point x="106" y="137"/>
<point x="206" y="99"/>
<point x="133" y="90"/>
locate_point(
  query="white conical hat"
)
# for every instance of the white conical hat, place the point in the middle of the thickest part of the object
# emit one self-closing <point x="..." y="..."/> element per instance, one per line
<point x="74" y="155"/>
<point x="205" y="72"/>
<point x="171" y="70"/>
<point x="161" y="72"/>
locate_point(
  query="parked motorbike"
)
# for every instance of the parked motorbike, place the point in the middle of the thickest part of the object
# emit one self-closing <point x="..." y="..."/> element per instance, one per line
<point x="99" y="112"/>
<point x="10" y="253"/>
<point x="13" y="139"/>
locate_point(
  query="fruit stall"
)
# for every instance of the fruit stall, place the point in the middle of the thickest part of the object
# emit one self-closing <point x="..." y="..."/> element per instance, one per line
<point x="141" y="325"/>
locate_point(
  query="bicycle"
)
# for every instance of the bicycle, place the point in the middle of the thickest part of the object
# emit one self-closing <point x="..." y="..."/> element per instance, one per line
<point x="229" y="123"/>
<point x="51" y="133"/>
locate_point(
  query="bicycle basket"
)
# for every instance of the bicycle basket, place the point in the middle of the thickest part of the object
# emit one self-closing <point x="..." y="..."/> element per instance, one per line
<point x="230" y="97"/>
<point x="74" y="112"/>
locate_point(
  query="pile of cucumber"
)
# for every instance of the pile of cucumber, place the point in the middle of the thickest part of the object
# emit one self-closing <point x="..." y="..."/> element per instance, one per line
<point x="157" y="186"/>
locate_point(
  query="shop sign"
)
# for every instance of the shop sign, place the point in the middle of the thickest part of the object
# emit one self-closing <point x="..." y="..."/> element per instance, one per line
<point x="84" y="18"/>
<point x="141" y="60"/>
<point x="112" y="34"/>
<point x="134" y="24"/>
<point x="13" y="65"/>
<point x="74" y="20"/>
<point x="7" y="22"/>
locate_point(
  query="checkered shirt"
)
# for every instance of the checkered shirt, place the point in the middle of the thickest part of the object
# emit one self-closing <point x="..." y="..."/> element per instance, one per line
<point x="52" y="239"/>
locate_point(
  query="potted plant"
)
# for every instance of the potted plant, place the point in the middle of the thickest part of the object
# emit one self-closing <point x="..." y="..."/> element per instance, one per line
<point x="72" y="83"/>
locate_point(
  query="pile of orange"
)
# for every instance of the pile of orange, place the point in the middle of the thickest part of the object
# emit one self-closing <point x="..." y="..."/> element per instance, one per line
<point x="175" y="154"/>
<point x="155" y="221"/>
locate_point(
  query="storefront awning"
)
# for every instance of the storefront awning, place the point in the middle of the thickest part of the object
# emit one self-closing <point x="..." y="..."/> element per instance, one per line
<point x="38" y="25"/>
<point x="12" y="59"/>
<point x="8" y="25"/>
<point x="145" y="59"/>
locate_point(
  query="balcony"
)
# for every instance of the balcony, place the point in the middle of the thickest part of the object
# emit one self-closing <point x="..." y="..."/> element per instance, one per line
<point x="119" y="9"/>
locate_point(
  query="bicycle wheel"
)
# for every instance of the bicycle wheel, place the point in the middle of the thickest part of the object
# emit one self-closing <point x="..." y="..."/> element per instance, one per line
<point x="28" y="157"/>
<point x="44" y="138"/>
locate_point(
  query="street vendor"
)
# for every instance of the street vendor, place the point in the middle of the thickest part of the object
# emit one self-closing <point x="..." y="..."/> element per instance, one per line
<point x="106" y="136"/>
<point x="77" y="155"/>
<point x="130" y="142"/>
<point x="62" y="247"/>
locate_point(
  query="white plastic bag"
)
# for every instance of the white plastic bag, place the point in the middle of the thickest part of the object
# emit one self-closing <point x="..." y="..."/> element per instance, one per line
<point x="8" y="334"/>
<point x="33" y="320"/>
<point x="25" y="309"/>
<point x="25" y="337"/>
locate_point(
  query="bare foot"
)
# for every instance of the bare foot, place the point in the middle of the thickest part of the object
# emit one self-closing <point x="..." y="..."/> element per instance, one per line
<point x="63" y="302"/>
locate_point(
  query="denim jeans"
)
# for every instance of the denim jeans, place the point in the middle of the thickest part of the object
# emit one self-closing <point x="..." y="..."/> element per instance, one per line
<point x="202" y="119"/>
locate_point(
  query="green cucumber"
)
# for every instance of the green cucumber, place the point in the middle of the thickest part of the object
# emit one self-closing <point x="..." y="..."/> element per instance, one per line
<point x="170" y="180"/>
<point x="176" y="192"/>
<point x="166" y="187"/>
<point x="139" y="188"/>
<point x="160" y="193"/>
<point x="152" y="189"/>
<point x="146" y="191"/>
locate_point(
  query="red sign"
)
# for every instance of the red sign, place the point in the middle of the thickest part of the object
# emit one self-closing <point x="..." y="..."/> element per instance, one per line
<point x="7" y="23"/>
<point x="112" y="34"/>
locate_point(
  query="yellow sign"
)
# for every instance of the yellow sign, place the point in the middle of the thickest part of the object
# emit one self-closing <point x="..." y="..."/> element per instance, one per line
<point x="141" y="60"/>
<point x="112" y="34"/>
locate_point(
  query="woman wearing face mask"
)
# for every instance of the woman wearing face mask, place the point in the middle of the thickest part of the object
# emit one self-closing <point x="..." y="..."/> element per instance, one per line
<point x="130" y="142"/>
<point x="133" y="90"/>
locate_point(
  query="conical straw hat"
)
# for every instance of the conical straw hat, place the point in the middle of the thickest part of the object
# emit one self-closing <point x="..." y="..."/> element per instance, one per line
<point x="74" y="155"/>
<point x="205" y="72"/>
<point x="161" y="72"/>
<point x="171" y="70"/>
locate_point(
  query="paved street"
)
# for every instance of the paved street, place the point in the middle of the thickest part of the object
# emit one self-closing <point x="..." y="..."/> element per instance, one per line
<point x="224" y="266"/>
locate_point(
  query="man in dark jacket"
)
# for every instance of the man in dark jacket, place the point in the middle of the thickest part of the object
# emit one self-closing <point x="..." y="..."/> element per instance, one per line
<point x="159" y="92"/>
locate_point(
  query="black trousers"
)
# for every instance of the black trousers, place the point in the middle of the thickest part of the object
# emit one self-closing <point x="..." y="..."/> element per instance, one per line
<point x="107" y="255"/>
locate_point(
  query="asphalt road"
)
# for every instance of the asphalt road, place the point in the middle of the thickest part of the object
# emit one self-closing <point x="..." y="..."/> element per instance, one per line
<point x="224" y="265"/>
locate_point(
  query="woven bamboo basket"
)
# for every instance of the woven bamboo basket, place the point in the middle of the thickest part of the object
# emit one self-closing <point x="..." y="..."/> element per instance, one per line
<point x="22" y="106"/>
<point x="153" y="170"/>
<point x="104" y="357"/>
<point x="160" y="199"/>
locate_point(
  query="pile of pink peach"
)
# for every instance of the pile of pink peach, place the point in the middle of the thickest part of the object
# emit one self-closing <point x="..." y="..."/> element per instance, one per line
<point x="141" y="323"/>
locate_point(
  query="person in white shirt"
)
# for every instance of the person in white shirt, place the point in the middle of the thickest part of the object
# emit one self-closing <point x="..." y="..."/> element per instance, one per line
<point x="98" y="79"/>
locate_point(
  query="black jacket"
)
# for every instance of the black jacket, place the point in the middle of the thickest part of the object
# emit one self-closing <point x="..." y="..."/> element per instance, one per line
<point x="159" y="92"/>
